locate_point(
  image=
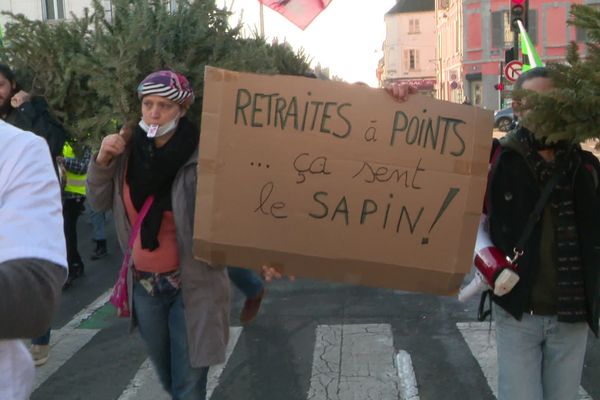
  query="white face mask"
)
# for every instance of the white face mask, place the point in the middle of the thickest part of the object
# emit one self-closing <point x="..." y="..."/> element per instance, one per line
<point x="154" y="131"/>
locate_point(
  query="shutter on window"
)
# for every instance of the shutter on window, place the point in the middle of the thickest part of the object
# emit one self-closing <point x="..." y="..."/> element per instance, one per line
<point x="498" y="30"/>
<point x="581" y="34"/>
<point x="532" y="25"/>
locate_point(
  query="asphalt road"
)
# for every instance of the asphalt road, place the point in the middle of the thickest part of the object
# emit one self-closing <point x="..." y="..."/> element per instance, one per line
<point x="311" y="340"/>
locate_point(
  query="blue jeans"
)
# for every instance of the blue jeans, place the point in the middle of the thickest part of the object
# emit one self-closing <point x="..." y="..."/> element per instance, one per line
<point x="246" y="280"/>
<point x="162" y="326"/>
<point x="42" y="340"/>
<point x="539" y="358"/>
<point x="97" y="218"/>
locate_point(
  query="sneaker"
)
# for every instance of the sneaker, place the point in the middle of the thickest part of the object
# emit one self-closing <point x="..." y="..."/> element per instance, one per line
<point x="251" y="307"/>
<point x="39" y="353"/>
<point x="100" y="250"/>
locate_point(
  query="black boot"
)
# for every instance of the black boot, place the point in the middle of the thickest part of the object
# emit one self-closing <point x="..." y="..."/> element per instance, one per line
<point x="100" y="250"/>
<point x="75" y="271"/>
<point x="68" y="283"/>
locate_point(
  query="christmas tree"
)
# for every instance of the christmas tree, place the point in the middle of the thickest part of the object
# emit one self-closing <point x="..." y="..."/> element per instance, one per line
<point x="88" y="67"/>
<point x="572" y="110"/>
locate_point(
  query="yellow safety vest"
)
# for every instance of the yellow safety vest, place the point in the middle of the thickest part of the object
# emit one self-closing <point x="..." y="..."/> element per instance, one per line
<point x="75" y="182"/>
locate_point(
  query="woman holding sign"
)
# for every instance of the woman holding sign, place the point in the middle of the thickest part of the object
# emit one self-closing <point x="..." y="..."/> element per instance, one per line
<point x="147" y="175"/>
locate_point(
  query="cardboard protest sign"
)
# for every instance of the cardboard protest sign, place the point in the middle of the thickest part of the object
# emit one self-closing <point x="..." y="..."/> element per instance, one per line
<point x="339" y="182"/>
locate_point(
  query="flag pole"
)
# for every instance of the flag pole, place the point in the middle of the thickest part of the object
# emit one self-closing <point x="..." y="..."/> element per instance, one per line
<point x="262" y="20"/>
<point x="528" y="49"/>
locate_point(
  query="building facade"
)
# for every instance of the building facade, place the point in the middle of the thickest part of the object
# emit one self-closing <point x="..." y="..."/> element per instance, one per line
<point x="52" y="10"/>
<point x="474" y="34"/>
<point x="449" y="50"/>
<point x="47" y="10"/>
<point x="409" y="47"/>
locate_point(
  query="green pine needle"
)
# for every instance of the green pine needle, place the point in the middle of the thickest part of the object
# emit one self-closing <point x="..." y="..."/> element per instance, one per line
<point x="88" y="68"/>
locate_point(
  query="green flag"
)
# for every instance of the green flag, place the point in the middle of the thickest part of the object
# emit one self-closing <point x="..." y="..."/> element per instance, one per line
<point x="533" y="58"/>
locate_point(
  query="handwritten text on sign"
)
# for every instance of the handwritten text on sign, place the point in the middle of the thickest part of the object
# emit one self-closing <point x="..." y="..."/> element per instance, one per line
<point x="272" y="110"/>
<point x="296" y="169"/>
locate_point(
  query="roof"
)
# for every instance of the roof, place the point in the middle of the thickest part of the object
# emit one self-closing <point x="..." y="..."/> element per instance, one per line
<point x="409" y="6"/>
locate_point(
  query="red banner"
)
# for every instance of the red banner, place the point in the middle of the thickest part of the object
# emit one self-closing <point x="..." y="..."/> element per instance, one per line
<point x="300" y="12"/>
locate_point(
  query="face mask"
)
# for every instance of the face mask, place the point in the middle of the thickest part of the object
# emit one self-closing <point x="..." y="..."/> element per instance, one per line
<point x="154" y="131"/>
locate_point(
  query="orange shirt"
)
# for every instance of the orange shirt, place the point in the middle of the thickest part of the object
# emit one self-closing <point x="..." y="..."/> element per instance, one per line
<point x="163" y="259"/>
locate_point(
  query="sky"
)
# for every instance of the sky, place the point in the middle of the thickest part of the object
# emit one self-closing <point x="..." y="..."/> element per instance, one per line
<point x="346" y="37"/>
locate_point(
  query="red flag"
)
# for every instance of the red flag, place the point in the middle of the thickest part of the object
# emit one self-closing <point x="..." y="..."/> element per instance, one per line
<point x="300" y="12"/>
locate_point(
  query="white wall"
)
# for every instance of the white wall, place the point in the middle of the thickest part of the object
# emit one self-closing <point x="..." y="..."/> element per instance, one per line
<point x="399" y="41"/>
<point x="32" y="9"/>
<point x="392" y="52"/>
<point x="76" y="7"/>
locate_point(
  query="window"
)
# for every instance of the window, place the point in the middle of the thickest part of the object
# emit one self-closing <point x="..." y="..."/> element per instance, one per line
<point x="54" y="9"/>
<point x="413" y="26"/>
<point x="580" y="33"/>
<point x="411" y="60"/>
<point x="507" y="32"/>
<point x="108" y="10"/>
<point x="173" y="6"/>
<point x="476" y="93"/>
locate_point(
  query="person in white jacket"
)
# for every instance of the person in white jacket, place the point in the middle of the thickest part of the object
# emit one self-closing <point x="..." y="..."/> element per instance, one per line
<point x="33" y="264"/>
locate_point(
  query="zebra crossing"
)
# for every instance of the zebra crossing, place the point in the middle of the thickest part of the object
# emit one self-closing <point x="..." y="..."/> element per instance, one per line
<point x="350" y="361"/>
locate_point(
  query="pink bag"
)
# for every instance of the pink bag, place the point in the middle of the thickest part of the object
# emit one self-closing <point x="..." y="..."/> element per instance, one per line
<point x="120" y="297"/>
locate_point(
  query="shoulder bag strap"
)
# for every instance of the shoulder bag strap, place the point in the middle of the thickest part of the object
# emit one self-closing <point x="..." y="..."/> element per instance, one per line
<point x="535" y="215"/>
<point x="136" y="227"/>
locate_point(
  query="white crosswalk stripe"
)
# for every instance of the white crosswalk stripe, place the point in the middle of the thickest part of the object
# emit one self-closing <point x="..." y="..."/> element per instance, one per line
<point x="215" y="372"/>
<point x="62" y="351"/>
<point x="145" y="384"/>
<point x="481" y="339"/>
<point x="406" y="373"/>
<point x="67" y="341"/>
<point x="354" y="362"/>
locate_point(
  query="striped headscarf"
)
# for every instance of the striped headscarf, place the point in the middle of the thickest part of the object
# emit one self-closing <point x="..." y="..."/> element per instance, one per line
<point x="168" y="84"/>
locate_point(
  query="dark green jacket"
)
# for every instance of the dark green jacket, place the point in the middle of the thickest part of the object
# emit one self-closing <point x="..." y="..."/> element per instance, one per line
<point x="512" y="194"/>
